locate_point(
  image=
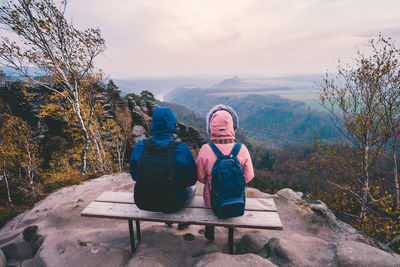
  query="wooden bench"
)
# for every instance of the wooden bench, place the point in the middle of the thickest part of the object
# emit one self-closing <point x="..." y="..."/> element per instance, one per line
<point x="260" y="213"/>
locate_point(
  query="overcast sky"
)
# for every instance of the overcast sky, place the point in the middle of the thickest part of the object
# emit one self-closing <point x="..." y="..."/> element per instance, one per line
<point x="150" y="38"/>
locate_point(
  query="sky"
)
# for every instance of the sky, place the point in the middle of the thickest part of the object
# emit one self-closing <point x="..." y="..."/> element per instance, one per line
<point x="160" y="38"/>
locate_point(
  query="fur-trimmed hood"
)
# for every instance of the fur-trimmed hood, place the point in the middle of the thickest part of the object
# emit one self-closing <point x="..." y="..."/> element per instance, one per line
<point x="222" y="122"/>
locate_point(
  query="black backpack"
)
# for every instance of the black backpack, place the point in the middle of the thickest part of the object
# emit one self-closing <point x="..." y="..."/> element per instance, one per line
<point x="228" y="185"/>
<point x="156" y="185"/>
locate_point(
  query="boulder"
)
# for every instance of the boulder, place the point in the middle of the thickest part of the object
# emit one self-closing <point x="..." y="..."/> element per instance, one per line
<point x="139" y="133"/>
<point x="189" y="135"/>
<point x="350" y="253"/>
<point x="286" y="251"/>
<point x="252" y="243"/>
<point x="289" y="195"/>
<point x="71" y="252"/>
<point x="220" y="259"/>
<point x="20" y="250"/>
<point x="29" y="232"/>
<point x="144" y="261"/>
<point x="312" y="217"/>
<point x="151" y="106"/>
<point x="306" y="216"/>
<point x="252" y="192"/>
<point x="299" y="250"/>
<point x="140" y="112"/>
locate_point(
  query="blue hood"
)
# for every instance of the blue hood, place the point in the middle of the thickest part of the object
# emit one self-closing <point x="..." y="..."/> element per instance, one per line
<point x="163" y="123"/>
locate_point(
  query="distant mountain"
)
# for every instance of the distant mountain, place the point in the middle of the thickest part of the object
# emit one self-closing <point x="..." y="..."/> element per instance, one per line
<point x="249" y="83"/>
<point x="232" y="81"/>
<point x="235" y="82"/>
<point x="266" y="118"/>
<point x="293" y="82"/>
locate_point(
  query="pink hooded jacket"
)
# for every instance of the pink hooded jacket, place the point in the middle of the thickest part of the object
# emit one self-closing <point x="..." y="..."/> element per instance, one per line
<point x="221" y="126"/>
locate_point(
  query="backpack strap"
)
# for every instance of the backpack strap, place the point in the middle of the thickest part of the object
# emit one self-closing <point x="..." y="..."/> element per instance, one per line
<point x="214" y="148"/>
<point x="148" y="142"/>
<point x="235" y="150"/>
<point x="173" y="144"/>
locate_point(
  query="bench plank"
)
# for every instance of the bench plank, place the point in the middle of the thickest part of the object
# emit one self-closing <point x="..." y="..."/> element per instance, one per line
<point x="251" y="219"/>
<point x="252" y="204"/>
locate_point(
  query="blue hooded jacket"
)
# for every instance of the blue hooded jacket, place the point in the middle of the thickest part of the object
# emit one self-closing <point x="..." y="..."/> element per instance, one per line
<point x="163" y="127"/>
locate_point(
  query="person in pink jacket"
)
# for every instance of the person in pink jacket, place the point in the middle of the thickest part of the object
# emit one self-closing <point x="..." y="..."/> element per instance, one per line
<point x="222" y="123"/>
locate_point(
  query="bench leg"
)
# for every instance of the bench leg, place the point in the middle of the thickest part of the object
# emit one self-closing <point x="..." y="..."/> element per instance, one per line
<point x="132" y="237"/>
<point x="139" y="235"/>
<point x="230" y="240"/>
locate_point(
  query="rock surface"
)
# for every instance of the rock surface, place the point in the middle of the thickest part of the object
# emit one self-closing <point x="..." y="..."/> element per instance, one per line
<point x="3" y="260"/>
<point x="350" y="253"/>
<point x="220" y="259"/>
<point x="312" y="236"/>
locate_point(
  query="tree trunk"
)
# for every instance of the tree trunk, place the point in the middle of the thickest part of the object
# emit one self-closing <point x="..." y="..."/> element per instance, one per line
<point x="85" y="134"/>
<point x="365" y="184"/>
<point x="84" y="153"/>
<point x="119" y="155"/>
<point x="98" y="154"/>
<point x="104" y="158"/>
<point x="8" y="188"/>
<point x="121" y="147"/>
<point x="396" y="176"/>
<point x="30" y="167"/>
<point x="123" y="153"/>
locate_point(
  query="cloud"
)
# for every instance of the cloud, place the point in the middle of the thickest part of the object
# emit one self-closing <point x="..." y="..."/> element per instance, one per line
<point x="182" y="37"/>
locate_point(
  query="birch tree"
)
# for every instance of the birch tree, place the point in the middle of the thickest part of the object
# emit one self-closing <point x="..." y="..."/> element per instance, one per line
<point x="387" y="57"/>
<point x="18" y="149"/>
<point x="40" y="36"/>
<point x="392" y="117"/>
<point x="353" y="98"/>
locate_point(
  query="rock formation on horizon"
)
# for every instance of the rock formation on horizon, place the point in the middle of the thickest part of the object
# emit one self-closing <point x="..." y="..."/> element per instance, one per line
<point x="142" y="111"/>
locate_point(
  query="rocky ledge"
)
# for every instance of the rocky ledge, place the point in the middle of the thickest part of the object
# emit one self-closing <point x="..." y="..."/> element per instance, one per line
<point x="142" y="111"/>
<point x="54" y="234"/>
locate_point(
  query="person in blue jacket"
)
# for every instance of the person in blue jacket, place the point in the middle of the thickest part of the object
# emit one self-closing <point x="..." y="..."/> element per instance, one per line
<point x="163" y="127"/>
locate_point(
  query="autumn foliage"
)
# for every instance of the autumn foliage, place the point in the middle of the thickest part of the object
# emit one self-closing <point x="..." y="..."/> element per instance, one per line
<point x="364" y="101"/>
